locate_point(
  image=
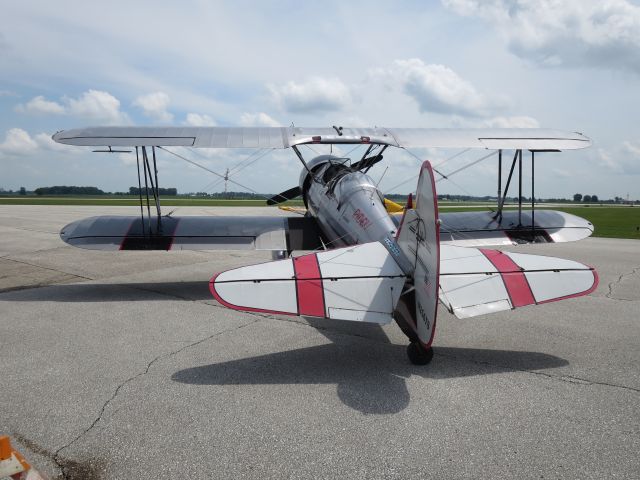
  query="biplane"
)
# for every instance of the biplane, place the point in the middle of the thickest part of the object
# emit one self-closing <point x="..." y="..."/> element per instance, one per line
<point x="355" y="260"/>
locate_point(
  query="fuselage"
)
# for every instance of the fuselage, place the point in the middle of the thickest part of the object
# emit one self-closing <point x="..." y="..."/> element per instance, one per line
<point x="347" y="205"/>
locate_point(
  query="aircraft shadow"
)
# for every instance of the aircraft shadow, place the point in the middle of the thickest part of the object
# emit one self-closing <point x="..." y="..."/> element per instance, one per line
<point x="370" y="377"/>
<point x="110" y="292"/>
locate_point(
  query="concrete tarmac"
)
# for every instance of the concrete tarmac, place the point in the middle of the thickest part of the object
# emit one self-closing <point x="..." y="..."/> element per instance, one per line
<point x="119" y="365"/>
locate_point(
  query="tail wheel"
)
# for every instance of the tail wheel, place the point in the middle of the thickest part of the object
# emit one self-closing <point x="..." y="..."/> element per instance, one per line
<point x="418" y="354"/>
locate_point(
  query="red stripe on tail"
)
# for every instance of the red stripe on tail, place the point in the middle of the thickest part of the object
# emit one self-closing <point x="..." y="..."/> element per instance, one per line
<point x="309" y="286"/>
<point x="514" y="280"/>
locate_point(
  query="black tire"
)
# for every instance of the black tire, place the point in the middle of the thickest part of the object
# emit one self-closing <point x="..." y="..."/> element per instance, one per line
<point x="418" y="355"/>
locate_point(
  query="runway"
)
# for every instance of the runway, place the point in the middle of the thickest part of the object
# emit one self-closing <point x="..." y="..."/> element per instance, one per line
<point x="122" y="365"/>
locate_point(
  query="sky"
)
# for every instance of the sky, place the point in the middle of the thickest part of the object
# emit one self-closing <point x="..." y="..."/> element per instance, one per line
<point x="572" y="65"/>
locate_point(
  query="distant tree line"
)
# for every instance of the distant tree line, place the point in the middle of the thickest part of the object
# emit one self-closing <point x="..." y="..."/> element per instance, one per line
<point x="161" y="191"/>
<point x="65" y="190"/>
<point x="586" y="199"/>
<point x="233" y="195"/>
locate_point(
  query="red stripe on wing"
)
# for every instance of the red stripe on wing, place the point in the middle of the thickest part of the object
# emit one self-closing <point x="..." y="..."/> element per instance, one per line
<point x="309" y="286"/>
<point x="513" y="277"/>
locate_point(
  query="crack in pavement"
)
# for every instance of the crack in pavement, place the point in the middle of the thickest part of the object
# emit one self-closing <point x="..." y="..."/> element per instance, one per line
<point x="60" y="462"/>
<point x="615" y="283"/>
<point x="86" y="469"/>
<point x="46" y="268"/>
<point x="31" y="252"/>
<point x="30" y="230"/>
<point x="201" y="301"/>
<point x="562" y="378"/>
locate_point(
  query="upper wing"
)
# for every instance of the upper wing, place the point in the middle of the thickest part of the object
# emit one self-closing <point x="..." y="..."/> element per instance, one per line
<point x="475" y="281"/>
<point x="284" y="137"/>
<point x="194" y="233"/>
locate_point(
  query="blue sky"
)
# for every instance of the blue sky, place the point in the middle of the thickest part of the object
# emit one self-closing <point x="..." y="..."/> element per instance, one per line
<point x="572" y="65"/>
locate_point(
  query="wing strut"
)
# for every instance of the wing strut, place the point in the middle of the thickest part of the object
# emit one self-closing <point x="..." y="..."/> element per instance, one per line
<point x="533" y="197"/>
<point x="140" y="190"/>
<point x="502" y="196"/>
<point x="150" y="179"/>
<point x="499" y="176"/>
<point x="501" y="200"/>
<point x="295" y="149"/>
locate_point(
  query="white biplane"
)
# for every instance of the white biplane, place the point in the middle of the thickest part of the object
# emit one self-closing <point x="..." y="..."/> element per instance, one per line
<point x="366" y="265"/>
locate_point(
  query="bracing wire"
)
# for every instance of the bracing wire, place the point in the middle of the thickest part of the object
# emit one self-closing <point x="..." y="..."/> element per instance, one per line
<point x="444" y="177"/>
<point x="218" y="181"/>
<point x="214" y="173"/>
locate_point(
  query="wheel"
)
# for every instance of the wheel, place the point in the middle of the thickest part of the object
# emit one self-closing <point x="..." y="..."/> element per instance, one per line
<point x="418" y="354"/>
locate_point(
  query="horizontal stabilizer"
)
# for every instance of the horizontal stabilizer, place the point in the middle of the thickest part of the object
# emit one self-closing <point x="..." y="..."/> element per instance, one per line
<point x="359" y="283"/>
<point x="475" y="229"/>
<point x="193" y="233"/>
<point x="477" y="281"/>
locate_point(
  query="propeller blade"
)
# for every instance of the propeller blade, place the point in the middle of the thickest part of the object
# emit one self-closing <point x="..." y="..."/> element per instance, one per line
<point x="367" y="162"/>
<point x="284" y="196"/>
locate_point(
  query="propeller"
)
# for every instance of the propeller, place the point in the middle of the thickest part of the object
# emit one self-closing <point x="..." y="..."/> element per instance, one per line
<point x="294" y="192"/>
<point x="367" y="162"/>
<point x="284" y="196"/>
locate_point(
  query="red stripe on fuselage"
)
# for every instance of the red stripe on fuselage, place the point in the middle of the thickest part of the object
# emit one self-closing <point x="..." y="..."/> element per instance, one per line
<point x="309" y="286"/>
<point x="514" y="280"/>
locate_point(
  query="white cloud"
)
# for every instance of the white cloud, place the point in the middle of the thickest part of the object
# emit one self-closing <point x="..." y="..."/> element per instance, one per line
<point x="259" y="119"/>
<point x="40" y="105"/>
<point x="199" y="120"/>
<point x="630" y="158"/>
<point x="437" y="88"/>
<point x="154" y="105"/>
<point x="314" y="95"/>
<point x="606" y="159"/>
<point x="93" y="104"/>
<point x="18" y="142"/>
<point x="45" y="142"/>
<point x="632" y="148"/>
<point x="567" y="32"/>
<point x="511" y="122"/>
<point x="97" y="105"/>
<point x="623" y="159"/>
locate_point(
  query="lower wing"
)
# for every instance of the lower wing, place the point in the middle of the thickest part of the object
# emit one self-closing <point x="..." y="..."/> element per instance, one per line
<point x="194" y="233"/>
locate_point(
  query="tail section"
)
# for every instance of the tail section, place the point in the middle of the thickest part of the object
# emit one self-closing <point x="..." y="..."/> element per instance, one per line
<point x="419" y="239"/>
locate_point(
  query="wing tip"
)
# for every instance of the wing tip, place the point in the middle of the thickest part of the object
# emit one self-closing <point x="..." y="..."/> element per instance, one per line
<point x="240" y="308"/>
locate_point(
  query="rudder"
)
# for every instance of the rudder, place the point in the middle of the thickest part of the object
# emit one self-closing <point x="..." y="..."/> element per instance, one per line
<point x="419" y="239"/>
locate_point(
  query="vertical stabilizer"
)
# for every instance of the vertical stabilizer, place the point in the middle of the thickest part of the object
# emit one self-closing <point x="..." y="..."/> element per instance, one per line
<point x="418" y="238"/>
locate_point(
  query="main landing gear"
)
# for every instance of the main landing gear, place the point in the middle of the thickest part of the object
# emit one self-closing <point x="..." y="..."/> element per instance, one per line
<point x="418" y="354"/>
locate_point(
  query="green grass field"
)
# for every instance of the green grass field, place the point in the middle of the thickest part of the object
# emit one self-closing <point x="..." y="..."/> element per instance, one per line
<point x="610" y="221"/>
<point x="619" y="221"/>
